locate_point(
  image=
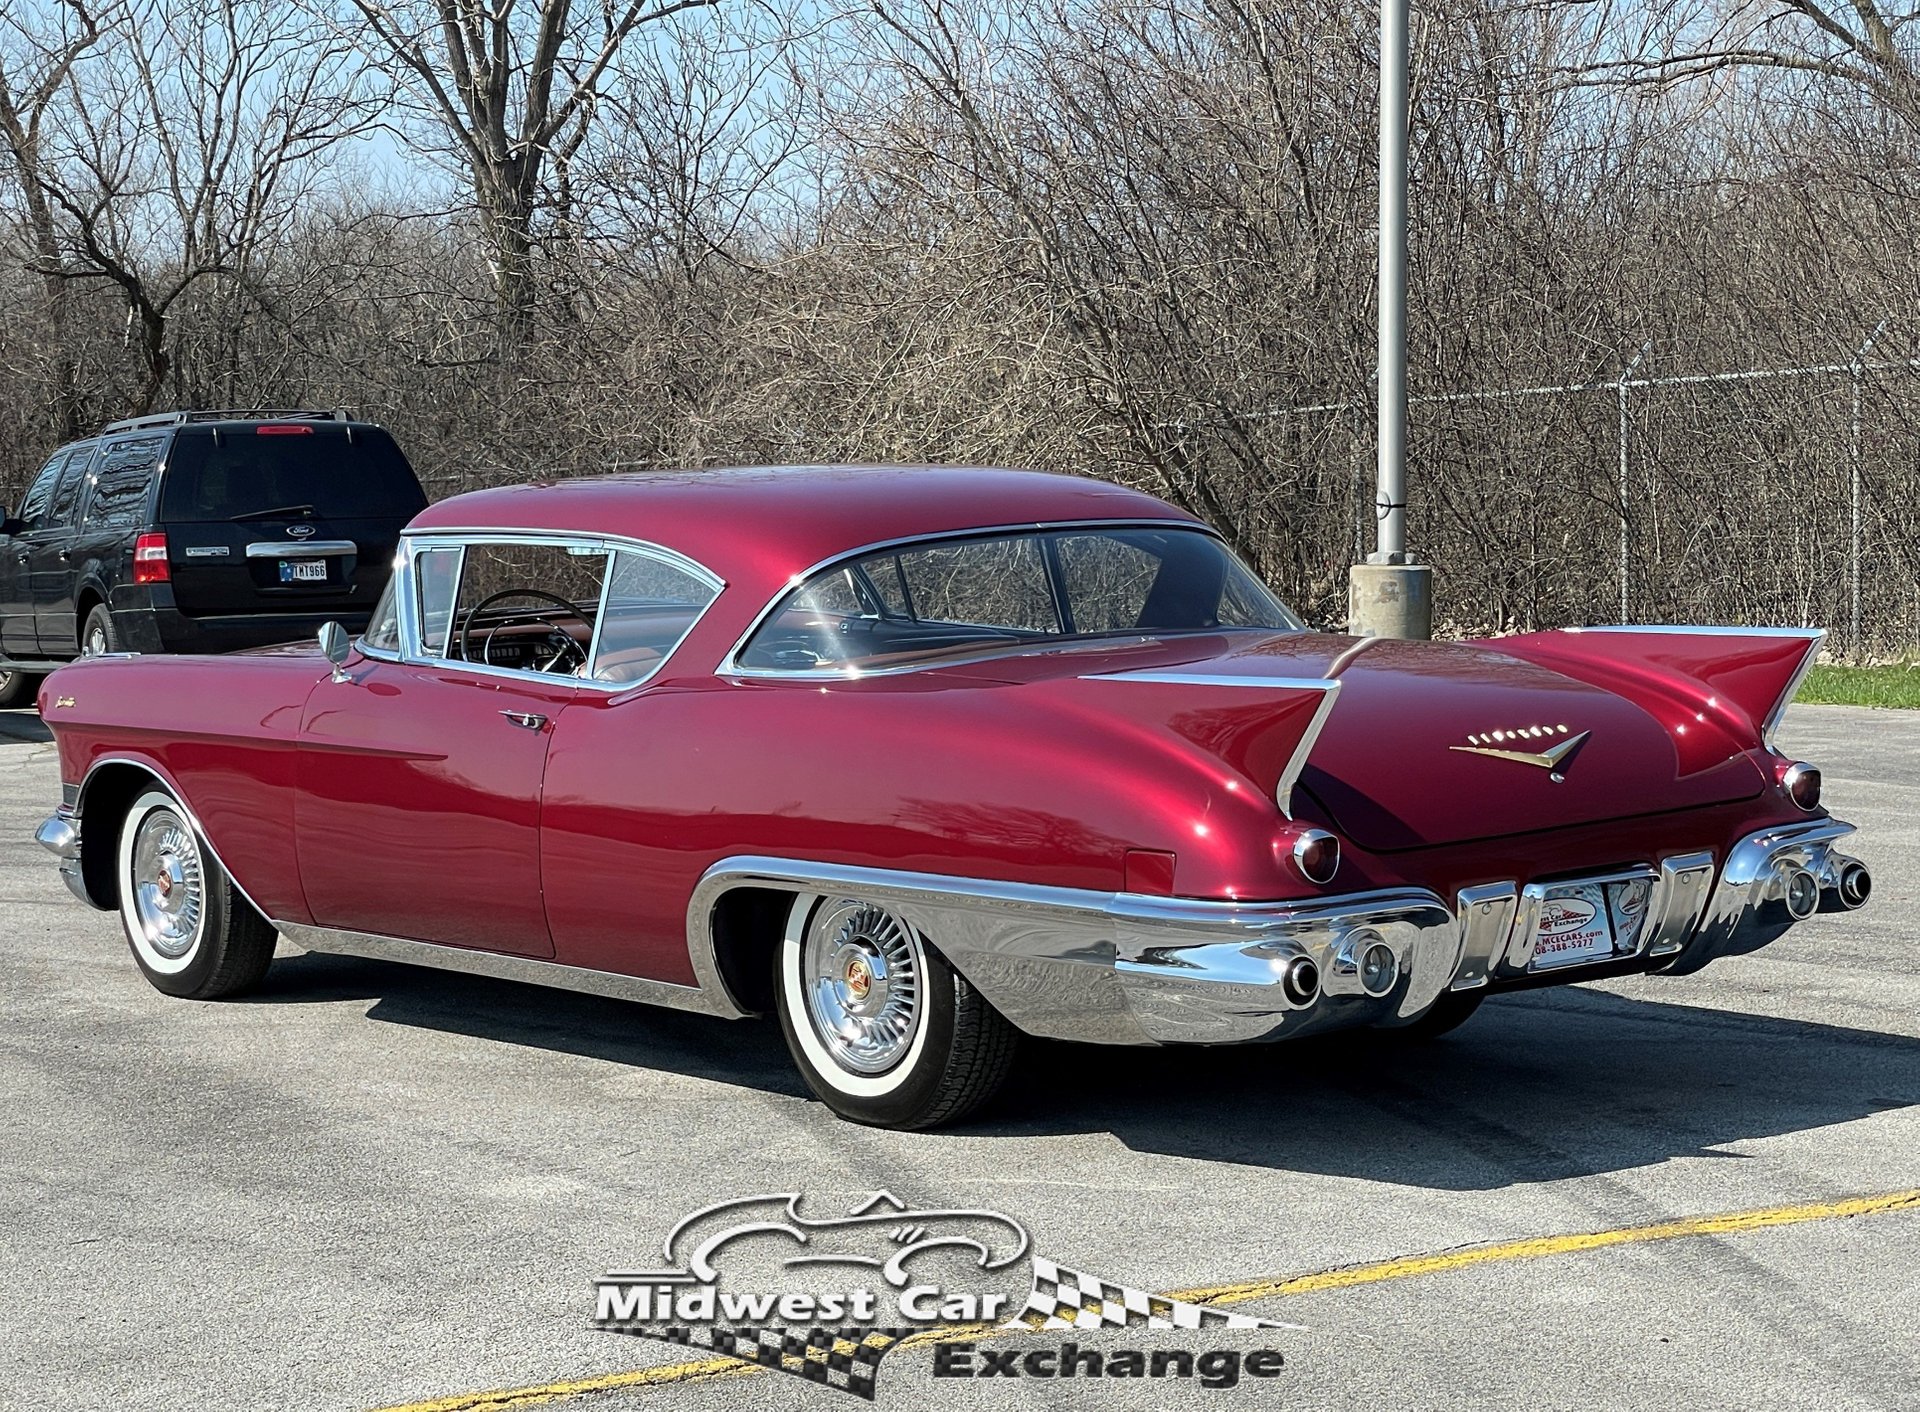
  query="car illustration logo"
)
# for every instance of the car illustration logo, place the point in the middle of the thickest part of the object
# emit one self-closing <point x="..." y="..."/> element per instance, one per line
<point x="300" y="531"/>
<point x="1566" y="914"/>
<point x="1513" y="745"/>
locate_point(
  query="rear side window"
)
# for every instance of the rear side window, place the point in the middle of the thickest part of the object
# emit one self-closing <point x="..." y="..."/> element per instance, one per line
<point x="66" y="495"/>
<point x="121" y="483"/>
<point x="285" y="466"/>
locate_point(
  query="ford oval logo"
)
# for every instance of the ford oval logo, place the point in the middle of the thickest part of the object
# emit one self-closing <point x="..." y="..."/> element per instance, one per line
<point x="1561" y="915"/>
<point x="300" y="531"/>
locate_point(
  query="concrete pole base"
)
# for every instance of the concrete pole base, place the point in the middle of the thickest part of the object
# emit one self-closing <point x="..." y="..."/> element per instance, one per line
<point x="1390" y="600"/>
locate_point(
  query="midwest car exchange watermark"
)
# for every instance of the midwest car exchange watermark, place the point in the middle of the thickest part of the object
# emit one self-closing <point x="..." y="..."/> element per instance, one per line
<point x="827" y="1297"/>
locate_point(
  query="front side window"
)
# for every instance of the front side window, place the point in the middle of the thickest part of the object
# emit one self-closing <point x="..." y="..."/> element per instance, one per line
<point x="383" y="628"/>
<point x="922" y="602"/>
<point x="33" y="509"/>
<point x="526" y="606"/>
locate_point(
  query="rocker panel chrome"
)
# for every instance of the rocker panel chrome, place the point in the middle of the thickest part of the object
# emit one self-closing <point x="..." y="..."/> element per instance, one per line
<point x="504" y="966"/>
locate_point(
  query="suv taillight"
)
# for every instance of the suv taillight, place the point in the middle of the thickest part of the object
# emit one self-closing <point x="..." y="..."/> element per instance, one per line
<point x="150" y="559"/>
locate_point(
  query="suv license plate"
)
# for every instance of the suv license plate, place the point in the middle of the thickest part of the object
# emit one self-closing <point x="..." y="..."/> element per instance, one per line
<point x="303" y="571"/>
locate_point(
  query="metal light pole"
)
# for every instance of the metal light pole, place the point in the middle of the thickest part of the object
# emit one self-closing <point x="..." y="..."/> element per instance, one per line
<point x="1389" y="595"/>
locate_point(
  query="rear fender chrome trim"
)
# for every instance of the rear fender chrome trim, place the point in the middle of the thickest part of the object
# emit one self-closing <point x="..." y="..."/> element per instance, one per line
<point x="504" y="966"/>
<point x="1126" y="968"/>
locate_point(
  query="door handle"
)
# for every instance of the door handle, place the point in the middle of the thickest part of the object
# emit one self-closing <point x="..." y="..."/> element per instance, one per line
<point x="66" y="556"/>
<point x="527" y="720"/>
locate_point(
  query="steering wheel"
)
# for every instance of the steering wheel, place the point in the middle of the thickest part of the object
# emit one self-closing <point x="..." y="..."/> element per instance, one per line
<point x="563" y="644"/>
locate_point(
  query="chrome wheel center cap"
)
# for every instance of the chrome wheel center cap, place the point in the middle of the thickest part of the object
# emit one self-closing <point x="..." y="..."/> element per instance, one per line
<point x="864" y="982"/>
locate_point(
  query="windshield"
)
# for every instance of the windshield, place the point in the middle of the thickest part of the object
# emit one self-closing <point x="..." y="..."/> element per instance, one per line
<point x="898" y="606"/>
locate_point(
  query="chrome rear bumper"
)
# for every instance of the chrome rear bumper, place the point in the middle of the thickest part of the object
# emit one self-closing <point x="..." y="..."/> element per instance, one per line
<point x="1123" y="968"/>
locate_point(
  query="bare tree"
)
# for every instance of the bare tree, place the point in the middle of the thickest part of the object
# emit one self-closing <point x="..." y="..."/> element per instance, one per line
<point x="512" y="86"/>
<point x="25" y="100"/>
<point x="177" y="148"/>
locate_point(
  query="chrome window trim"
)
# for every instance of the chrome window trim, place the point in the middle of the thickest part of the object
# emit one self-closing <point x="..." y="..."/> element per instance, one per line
<point x="730" y="664"/>
<point x="1812" y="636"/>
<point x="412" y="650"/>
<point x="1297" y="762"/>
<point x="301" y="549"/>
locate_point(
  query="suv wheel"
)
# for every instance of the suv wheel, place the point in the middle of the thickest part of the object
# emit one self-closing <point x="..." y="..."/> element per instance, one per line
<point x="17" y="688"/>
<point x="98" y="636"/>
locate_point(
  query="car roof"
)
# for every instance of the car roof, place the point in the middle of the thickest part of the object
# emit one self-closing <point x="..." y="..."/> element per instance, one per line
<point x="759" y="526"/>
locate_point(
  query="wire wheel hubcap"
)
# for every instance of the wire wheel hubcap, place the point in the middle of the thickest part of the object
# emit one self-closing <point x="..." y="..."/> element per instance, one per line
<point x="862" y="970"/>
<point x="168" y="889"/>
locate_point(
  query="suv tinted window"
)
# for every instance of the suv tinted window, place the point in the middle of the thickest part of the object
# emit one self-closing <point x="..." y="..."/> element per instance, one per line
<point x="281" y="466"/>
<point x="66" y="495"/>
<point x="33" y="510"/>
<point x="120" y="485"/>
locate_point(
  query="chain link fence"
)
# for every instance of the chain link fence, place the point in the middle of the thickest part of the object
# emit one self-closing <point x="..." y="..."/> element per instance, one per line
<point x="1775" y="495"/>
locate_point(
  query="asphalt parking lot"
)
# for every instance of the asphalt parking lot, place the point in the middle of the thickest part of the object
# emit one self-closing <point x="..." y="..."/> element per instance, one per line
<point x="371" y="1186"/>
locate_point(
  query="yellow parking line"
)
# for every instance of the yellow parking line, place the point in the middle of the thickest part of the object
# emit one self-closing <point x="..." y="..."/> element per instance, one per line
<point x="1727" y="1223"/>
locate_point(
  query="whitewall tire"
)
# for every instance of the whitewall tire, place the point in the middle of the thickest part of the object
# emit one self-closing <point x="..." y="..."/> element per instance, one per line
<point x="191" y="932"/>
<point x="883" y="1030"/>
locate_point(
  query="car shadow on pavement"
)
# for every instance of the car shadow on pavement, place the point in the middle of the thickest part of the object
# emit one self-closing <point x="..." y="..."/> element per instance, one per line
<point x="23" y="725"/>
<point x="1537" y="1087"/>
<point x="749" y="1053"/>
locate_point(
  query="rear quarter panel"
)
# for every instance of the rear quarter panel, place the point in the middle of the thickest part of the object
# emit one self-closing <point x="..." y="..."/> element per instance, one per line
<point x="221" y="731"/>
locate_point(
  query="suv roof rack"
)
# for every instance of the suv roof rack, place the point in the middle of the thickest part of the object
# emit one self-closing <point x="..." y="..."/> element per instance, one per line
<point x="225" y="414"/>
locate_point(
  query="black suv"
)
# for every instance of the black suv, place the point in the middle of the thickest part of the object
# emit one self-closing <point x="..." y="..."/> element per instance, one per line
<point x="199" y="532"/>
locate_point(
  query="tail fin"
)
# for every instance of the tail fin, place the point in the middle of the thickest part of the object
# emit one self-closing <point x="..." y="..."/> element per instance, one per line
<point x="1261" y="727"/>
<point x="1750" y="674"/>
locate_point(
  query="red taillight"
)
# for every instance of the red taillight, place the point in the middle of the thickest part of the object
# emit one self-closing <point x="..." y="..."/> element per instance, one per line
<point x="1316" y="853"/>
<point x="1801" y="781"/>
<point x="150" y="559"/>
<point x="283" y="429"/>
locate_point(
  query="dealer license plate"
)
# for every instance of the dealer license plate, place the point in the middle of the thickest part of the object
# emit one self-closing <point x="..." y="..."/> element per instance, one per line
<point x="303" y="571"/>
<point x="1581" y="923"/>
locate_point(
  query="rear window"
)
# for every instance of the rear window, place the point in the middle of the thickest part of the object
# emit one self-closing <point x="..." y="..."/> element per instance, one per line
<point x="247" y="472"/>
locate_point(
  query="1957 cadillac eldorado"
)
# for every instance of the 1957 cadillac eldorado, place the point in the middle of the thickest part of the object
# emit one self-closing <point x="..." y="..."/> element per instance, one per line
<point x="926" y="759"/>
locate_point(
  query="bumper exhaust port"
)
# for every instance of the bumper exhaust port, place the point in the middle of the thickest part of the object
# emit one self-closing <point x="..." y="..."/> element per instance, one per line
<point x="1800" y="890"/>
<point x="1855" y="887"/>
<point x="1301" y="981"/>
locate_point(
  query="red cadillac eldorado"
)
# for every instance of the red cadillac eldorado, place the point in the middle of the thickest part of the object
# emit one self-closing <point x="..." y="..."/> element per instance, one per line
<point x="925" y="759"/>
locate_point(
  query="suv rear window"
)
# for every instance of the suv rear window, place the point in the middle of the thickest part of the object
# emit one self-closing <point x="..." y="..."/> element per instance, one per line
<point x="247" y="471"/>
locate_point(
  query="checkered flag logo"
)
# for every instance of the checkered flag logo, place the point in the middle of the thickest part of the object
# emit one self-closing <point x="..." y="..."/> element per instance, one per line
<point x="847" y="1359"/>
<point x="1068" y="1299"/>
